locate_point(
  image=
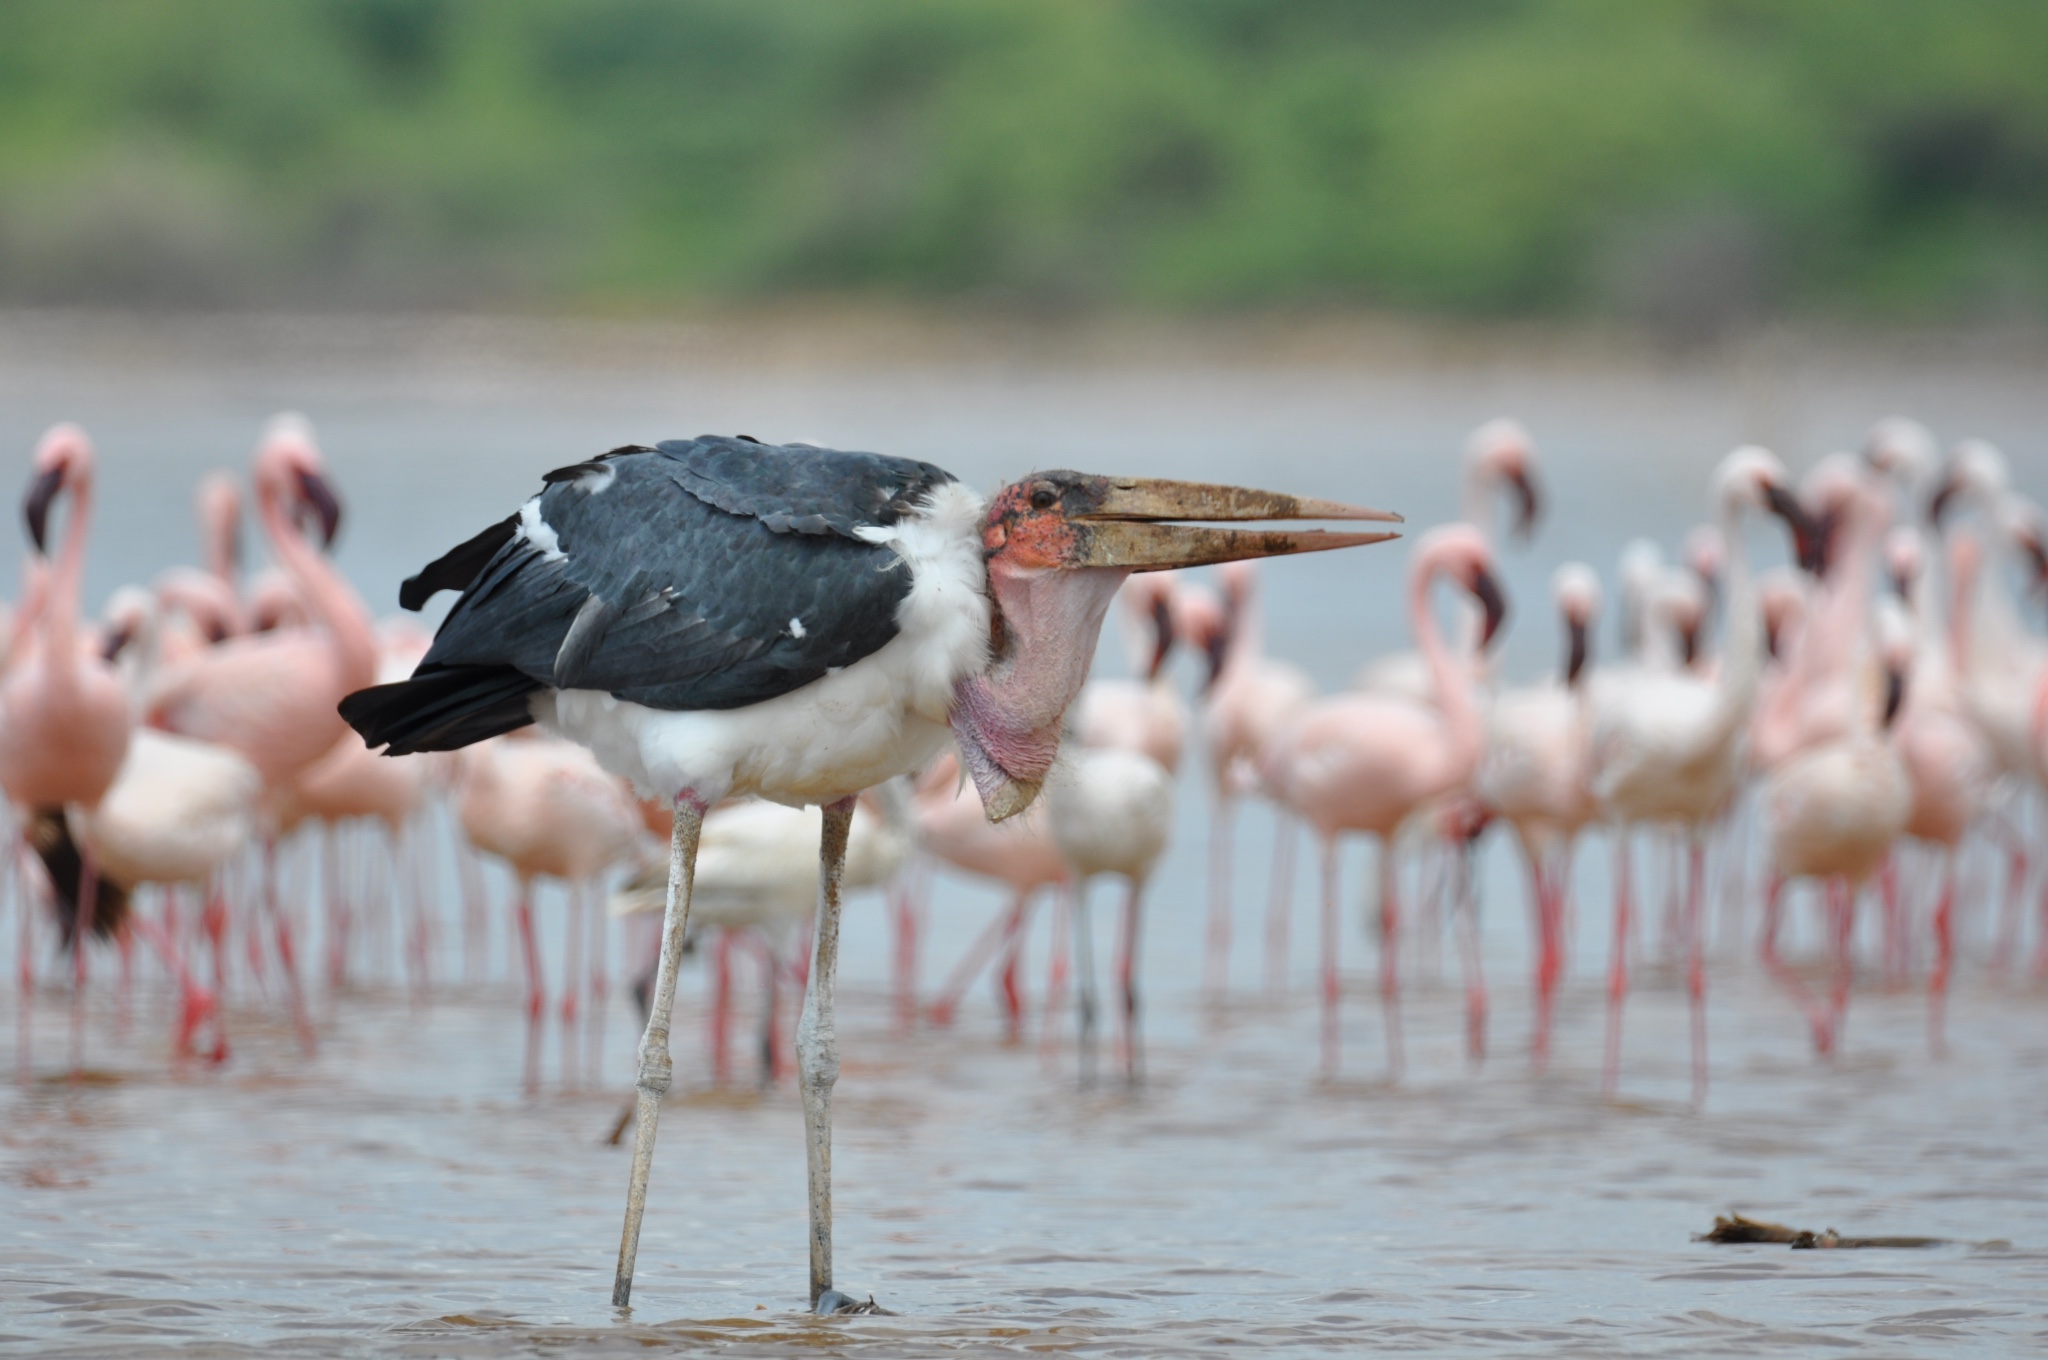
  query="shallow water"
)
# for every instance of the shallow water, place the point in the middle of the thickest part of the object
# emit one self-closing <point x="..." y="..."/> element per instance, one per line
<point x="398" y="1194"/>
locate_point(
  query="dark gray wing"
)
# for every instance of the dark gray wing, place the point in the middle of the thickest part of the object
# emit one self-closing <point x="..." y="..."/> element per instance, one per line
<point x="708" y="574"/>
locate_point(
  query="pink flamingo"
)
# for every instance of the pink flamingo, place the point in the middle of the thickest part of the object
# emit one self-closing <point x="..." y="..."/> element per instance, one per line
<point x="65" y="717"/>
<point x="1537" y="776"/>
<point x="1837" y="795"/>
<point x="202" y="606"/>
<point x="1668" y="745"/>
<point x="1018" y="854"/>
<point x="1250" y="698"/>
<point x="548" y="810"/>
<point x="272" y="696"/>
<point x="1146" y="714"/>
<point x="1369" y="762"/>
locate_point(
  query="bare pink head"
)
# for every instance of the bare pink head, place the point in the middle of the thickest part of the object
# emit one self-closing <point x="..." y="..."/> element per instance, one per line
<point x="1057" y="545"/>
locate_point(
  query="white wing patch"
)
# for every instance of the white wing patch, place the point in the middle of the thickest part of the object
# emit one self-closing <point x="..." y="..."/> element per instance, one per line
<point x="796" y="628"/>
<point x="539" y="534"/>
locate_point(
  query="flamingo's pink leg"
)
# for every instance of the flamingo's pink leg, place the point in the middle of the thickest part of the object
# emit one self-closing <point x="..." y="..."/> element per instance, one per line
<point x="1222" y="826"/>
<point x="1390" y="956"/>
<point x="337" y="909"/>
<point x="1617" y="962"/>
<point x="1465" y="905"/>
<point x="1786" y="975"/>
<point x="1127" y="979"/>
<point x="25" y="962"/>
<point x="600" y="990"/>
<point x="1842" y="922"/>
<point x="287" y="953"/>
<point x="1944" y="957"/>
<point x="1332" y="988"/>
<point x="469" y="878"/>
<point x="906" y="898"/>
<point x="772" y="1061"/>
<point x="81" y="937"/>
<point x="536" y="994"/>
<point x="1008" y="983"/>
<point x="721" y="1008"/>
<point x="572" y="981"/>
<point x="1280" y="901"/>
<point x="1056" y="972"/>
<point x="969" y="968"/>
<point x="1695" y="924"/>
<point x="1546" y="949"/>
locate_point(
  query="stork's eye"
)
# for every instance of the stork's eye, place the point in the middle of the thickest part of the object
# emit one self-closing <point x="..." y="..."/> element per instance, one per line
<point x="1044" y="498"/>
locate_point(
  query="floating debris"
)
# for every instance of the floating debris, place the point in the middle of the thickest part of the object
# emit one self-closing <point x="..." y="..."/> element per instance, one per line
<point x="1734" y="1228"/>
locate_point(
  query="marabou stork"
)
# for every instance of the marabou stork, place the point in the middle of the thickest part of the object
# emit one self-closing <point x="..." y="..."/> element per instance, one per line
<point x="718" y="616"/>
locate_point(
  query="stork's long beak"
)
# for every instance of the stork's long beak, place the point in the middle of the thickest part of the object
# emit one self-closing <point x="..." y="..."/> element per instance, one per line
<point x="1125" y="524"/>
<point x="35" y="506"/>
<point x="320" y="496"/>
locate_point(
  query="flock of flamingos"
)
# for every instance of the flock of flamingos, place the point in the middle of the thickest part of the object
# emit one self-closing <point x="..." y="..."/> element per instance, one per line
<point x="180" y="778"/>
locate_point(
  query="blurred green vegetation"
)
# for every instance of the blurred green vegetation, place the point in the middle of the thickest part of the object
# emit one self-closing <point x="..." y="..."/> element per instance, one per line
<point x="1685" y="162"/>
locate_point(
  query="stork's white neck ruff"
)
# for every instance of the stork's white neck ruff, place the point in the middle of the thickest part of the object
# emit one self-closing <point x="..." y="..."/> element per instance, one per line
<point x="882" y="716"/>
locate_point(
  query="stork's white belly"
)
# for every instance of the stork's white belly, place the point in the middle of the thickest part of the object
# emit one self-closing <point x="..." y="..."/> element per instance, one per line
<point x="882" y="716"/>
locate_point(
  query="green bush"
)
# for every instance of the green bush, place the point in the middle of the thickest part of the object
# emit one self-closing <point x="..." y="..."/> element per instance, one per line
<point x="1689" y="161"/>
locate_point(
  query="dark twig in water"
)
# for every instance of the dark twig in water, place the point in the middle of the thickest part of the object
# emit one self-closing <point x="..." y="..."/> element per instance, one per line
<point x="1736" y="1228"/>
<point x="621" y="1124"/>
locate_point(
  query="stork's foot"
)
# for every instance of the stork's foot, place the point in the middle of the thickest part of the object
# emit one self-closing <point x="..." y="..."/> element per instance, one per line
<point x="832" y="1301"/>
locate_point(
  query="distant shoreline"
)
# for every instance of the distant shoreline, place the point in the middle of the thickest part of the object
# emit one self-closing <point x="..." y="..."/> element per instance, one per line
<point x="840" y="336"/>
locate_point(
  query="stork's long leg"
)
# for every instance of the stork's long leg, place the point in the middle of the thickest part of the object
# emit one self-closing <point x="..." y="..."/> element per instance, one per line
<point x="656" y="1069"/>
<point x="817" y="1043"/>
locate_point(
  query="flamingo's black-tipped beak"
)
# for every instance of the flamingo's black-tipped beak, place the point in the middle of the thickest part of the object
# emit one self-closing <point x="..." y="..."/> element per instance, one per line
<point x="320" y="497"/>
<point x="1894" y="695"/>
<point x="1809" y="539"/>
<point x="1162" y="637"/>
<point x="1944" y="496"/>
<point x="35" y="506"/>
<point x="1129" y="522"/>
<point x="1528" y="503"/>
<point x="1578" y="647"/>
<point x="115" y="643"/>
<point x="1486" y="589"/>
<point x="2037" y="561"/>
<point x="1689" y="643"/>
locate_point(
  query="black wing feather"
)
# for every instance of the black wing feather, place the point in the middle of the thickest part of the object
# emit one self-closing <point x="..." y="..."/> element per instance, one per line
<point x="458" y="567"/>
<point x="706" y="574"/>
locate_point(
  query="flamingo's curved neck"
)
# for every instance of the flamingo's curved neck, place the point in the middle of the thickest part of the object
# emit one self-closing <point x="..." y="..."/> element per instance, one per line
<point x="59" y="614"/>
<point x="1742" y="653"/>
<point x="332" y="601"/>
<point x="1965" y="564"/>
<point x="1449" y="679"/>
